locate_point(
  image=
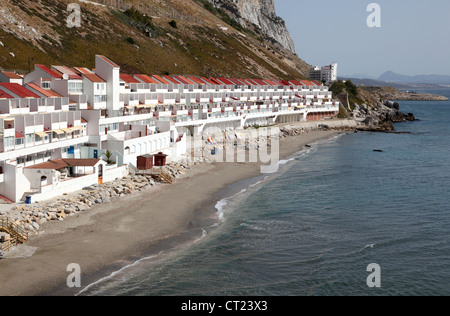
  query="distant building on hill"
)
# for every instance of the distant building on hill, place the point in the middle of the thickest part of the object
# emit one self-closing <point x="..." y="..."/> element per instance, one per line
<point x="327" y="74"/>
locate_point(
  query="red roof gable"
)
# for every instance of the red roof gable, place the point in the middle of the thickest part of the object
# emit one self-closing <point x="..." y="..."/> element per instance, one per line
<point x="128" y="78"/>
<point x="19" y="90"/>
<point x="52" y="73"/>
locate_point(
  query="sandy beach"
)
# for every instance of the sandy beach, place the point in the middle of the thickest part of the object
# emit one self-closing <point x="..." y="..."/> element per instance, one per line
<point x="113" y="235"/>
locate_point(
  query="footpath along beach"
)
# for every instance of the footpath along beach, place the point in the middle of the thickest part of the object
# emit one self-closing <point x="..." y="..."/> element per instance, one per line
<point x="159" y="218"/>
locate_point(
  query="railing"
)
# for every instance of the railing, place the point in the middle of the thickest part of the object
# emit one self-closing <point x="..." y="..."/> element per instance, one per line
<point x="15" y="231"/>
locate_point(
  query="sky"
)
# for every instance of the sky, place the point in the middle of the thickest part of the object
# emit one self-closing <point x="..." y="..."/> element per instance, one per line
<point x="414" y="37"/>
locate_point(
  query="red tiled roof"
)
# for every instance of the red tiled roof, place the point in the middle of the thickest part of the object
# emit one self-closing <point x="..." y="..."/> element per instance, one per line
<point x="295" y="83"/>
<point x="208" y="81"/>
<point x="171" y="80"/>
<point x="11" y="75"/>
<point x="93" y="77"/>
<point x="196" y="80"/>
<point x="235" y="81"/>
<point x="271" y="83"/>
<point x="19" y="90"/>
<point x="83" y="120"/>
<point x="252" y="82"/>
<point x="68" y="71"/>
<point x="82" y="70"/>
<point x="4" y="95"/>
<point x="52" y="73"/>
<point x="226" y="81"/>
<point x="64" y="163"/>
<point x="129" y="78"/>
<point x="181" y="79"/>
<point x="260" y="82"/>
<point x="188" y="80"/>
<point x="146" y="79"/>
<point x="216" y="81"/>
<point x="245" y="81"/>
<point x="161" y="80"/>
<point x="307" y="83"/>
<point x="46" y="93"/>
<point x="18" y="135"/>
<point x="108" y="61"/>
<point x="317" y="83"/>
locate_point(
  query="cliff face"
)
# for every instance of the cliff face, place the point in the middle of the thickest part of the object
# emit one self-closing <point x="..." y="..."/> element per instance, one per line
<point x="261" y="16"/>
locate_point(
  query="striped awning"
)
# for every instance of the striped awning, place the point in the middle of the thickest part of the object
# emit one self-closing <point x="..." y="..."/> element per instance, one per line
<point x="67" y="130"/>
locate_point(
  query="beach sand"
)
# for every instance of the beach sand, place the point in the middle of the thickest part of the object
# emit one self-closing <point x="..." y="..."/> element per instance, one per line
<point x="110" y="236"/>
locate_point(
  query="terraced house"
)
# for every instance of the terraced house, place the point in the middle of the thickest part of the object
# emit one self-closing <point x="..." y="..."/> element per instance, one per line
<point x="56" y="123"/>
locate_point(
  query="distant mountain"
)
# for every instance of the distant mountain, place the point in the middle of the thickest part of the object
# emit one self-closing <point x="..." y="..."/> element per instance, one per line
<point x="397" y="85"/>
<point x="390" y="76"/>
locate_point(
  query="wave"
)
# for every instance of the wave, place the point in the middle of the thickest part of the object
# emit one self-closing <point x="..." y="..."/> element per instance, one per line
<point x="116" y="273"/>
<point x="223" y="206"/>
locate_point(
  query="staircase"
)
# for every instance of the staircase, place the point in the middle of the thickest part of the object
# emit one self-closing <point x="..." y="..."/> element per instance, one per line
<point x="166" y="178"/>
<point x="17" y="234"/>
<point x="4" y="199"/>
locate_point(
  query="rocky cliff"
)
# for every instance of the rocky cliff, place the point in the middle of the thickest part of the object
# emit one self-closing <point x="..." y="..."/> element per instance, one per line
<point x="261" y="17"/>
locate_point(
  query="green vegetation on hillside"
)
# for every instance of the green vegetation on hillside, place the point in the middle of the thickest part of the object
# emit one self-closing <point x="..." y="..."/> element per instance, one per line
<point x="137" y="43"/>
<point x="348" y="87"/>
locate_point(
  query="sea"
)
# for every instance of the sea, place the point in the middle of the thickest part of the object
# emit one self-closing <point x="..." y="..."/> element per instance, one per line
<point x="361" y="214"/>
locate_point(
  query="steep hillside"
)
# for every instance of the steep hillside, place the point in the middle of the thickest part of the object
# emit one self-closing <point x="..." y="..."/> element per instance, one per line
<point x="142" y="36"/>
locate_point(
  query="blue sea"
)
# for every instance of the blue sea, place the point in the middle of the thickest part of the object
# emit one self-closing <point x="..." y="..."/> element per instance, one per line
<point x="313" y="228"/>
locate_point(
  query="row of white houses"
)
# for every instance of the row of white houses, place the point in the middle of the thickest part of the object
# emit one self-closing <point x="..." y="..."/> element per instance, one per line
<point x="76" y="114"/>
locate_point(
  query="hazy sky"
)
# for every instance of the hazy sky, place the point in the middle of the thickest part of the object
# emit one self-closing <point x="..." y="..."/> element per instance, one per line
<point x="414" y="37"/>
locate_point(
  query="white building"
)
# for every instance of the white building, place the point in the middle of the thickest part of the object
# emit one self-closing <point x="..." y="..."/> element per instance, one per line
<point x="74" y="115"/>
<point x="327" y="74"/>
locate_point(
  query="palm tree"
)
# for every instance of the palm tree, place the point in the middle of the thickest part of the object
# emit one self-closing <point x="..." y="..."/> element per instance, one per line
<point x="108" y="156"/>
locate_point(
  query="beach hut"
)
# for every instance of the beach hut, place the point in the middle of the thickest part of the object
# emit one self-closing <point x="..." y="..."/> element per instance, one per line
<point x="160" y="159"/>
<point x="145" y="162"/>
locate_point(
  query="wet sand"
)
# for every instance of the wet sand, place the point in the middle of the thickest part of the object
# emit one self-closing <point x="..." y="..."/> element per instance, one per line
<point x="110" y="236"/>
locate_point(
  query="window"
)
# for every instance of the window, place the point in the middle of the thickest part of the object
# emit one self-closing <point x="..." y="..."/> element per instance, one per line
<point x="75" y="87"/>
<point x="19" y="141"/>
<point x="45" y="85"/>
<point x="9" y="141"/>
<point x="29" y="138"/>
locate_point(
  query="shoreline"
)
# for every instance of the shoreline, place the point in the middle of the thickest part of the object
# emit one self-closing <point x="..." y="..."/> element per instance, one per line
<point x="110" y="238"/>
